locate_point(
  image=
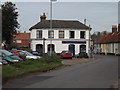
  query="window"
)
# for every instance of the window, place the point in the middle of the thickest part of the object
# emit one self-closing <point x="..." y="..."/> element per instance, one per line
<point x="39" y="33"/>
<point x="82" y="34"/>
<point x="18" y="41"/>
<point x="72" y="34"/>
<point x="50" y="34"/>
<point x="61" y="34"/>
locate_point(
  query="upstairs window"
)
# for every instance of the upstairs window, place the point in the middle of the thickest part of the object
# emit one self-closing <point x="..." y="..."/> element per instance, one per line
<point x="72" y="34"/>
<point x="18" y="41"/>
<point x="82" y="34"/>
<point x="39" y="33"/>
<point x="50" y="34"/>
<point x="61" y="34"/>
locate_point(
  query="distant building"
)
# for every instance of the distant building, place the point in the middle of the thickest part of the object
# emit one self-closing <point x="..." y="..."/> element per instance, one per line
<point x="22" y="39"/>
<point x="66" y="35"/>
<point x="109" y="43"/>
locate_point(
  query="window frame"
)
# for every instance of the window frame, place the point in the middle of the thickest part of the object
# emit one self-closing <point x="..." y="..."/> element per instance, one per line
<point x="82" y="35"/>
<point x="70" y="36"/>
<point x="18" y="41"/>
<point x="61" y="35"/>
<point x="38" y="34"/>
<point x="49" y="34"/>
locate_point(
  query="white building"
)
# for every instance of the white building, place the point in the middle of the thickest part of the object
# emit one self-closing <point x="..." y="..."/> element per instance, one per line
<point x="66" y="35"/>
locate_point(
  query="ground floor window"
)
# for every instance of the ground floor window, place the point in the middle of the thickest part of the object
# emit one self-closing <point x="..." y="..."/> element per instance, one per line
<point x="53" y="47"/>
<point x="39" y="48"/>
<point x="82" y="48"/>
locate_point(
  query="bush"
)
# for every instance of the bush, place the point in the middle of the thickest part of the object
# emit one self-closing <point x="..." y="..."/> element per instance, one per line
<point x="50" y="59"/>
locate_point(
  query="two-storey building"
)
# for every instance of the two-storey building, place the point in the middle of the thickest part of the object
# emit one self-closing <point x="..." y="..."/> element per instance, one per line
<point x="66" y="35"/>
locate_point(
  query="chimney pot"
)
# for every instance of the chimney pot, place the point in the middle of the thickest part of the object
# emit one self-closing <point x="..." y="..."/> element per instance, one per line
<point x="43" y="17"/>
<point x="114" y="28"/>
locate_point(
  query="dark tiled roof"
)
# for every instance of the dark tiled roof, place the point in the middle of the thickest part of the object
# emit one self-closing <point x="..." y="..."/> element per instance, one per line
<point x="60" y="24"/>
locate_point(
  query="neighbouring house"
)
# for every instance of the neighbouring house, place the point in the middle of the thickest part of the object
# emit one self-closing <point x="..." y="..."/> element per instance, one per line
<point x="66" y="35"/>
<point x="22" y="40"/>
<point x="109" y="43"/>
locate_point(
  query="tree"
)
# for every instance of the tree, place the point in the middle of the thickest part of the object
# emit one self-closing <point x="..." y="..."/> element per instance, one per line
<point x="9" y="22"/>
<point x="95" y="36"/>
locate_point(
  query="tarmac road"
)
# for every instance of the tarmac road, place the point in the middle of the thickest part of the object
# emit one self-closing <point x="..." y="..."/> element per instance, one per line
<point x="101" y="73"/>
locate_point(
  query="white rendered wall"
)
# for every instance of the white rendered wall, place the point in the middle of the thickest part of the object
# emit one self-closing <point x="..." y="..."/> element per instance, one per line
<point x="33" y="33"/>
<point x="66" y="34"/>
<point x="45" y="33"/>
<point x="58" y="43"/>
<point x="87" y="34"/>
<point x="56" y="34"/>
<point x="77" y="34"/>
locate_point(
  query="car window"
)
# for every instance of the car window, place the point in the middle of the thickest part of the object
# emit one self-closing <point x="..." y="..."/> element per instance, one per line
<point x="34" y="52"/>
<point x="28" y="54"/>
<point x="21" y="53"/>
<point x="6" y="52"/>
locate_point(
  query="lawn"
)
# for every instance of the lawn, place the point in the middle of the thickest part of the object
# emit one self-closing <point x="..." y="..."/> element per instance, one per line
<point x="30" y="66"/>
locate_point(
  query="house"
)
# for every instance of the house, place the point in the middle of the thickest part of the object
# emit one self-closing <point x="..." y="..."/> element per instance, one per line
<point x="66" y="35"/>
<point x="109" y="43"/>
<point x="22" y="40"/>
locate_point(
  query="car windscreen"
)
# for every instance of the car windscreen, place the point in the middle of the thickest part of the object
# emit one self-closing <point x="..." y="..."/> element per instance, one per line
<point x="28" y="54"/>
<point x="34" y="52"/>
<point x="6" y="52"/>
<point x="66" y="52"/>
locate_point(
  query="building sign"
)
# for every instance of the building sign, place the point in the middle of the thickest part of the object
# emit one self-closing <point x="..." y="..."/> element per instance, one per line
<point x="75" y="42"/>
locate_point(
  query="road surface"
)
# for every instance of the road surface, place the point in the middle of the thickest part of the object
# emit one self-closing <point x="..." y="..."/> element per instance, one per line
<point x="101" y="73"/>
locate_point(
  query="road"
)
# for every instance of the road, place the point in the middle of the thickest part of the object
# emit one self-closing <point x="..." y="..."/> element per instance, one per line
<point x="101" y="73"/>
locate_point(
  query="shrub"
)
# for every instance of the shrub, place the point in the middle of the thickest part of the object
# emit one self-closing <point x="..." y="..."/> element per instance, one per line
<point x="50" y="59"/>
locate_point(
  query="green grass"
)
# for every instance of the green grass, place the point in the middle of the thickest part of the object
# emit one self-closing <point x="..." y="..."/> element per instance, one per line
<point x="30" y="66"/>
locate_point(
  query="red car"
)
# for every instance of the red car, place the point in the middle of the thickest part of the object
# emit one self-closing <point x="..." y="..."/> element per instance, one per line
<point x="66" y="54"/>
<point x="19" y="53"/>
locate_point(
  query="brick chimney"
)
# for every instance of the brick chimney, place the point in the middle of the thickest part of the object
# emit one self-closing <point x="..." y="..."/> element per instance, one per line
<point x="105" y="33"/>
<point x="114" y="28"/>
<point x="43" y="17"/>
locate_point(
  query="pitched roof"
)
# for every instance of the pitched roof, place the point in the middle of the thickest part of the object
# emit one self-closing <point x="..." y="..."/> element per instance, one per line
<point x="113" y="37"/>
<point x="60" y="24"/>
<point x="22" y="36"/>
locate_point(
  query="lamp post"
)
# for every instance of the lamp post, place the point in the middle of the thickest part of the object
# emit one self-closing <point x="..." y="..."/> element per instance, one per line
<point x="51" y="26"/>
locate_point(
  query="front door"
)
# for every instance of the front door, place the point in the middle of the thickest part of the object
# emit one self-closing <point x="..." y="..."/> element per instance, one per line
<point x="72" y="49"/>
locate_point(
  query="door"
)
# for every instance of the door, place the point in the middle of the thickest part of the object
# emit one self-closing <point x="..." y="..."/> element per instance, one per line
<point x="82" y="48"/>
<point x="72" y="49"/>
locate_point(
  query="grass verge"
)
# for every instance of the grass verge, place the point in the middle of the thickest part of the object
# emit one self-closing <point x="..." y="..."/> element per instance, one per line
<point x="30" y="66"/>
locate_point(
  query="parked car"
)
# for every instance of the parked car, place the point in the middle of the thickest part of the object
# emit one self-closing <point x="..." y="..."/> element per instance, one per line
<point x="82" y="55"/>
<point x="36" y="53"/>
<point x="66" y="54"/>
<point x="19" y="53"/>
<point x="3" y="62"/>
<point x="6" y="53"/>
<point x="30" y="55"/>
<point x="7" y="59"/>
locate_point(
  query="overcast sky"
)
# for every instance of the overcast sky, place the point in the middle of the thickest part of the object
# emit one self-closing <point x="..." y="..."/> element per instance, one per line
<point x="100" y="15"/>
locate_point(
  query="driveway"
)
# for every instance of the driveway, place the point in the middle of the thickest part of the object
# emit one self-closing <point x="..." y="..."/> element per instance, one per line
<point x="101" y="73"/>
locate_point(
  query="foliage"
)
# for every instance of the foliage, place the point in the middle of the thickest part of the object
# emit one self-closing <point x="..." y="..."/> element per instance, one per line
<point x="96" y="36"/>
<point x="52" y="58"/>
<point x="9" y="21"/>
<point x="30" y="66"/>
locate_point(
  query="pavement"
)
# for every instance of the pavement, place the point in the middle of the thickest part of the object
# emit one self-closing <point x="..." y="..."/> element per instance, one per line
<point x="100" y="72"/>
<point x="74" y="61"/>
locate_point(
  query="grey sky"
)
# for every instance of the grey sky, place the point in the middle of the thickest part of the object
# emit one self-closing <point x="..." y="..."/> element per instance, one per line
<point x="100" y="15"/>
